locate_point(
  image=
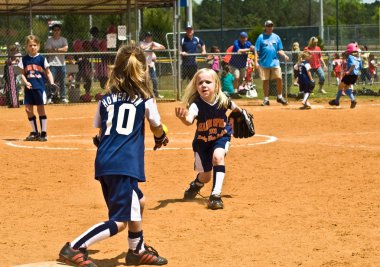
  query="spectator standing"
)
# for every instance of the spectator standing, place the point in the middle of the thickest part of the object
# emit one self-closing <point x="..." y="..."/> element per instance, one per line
<point x="318" y="65"/>
<point x="190" y="45"/>
<point x="148" y="45"/>
<point x="12" y="85"/>
<point x="238" y="62"/>
<point x="58" y="45"/>
<point x="84" y="65"/>
<point x="101" y="62"/>
<point x="267" y="48"/>
<point x="372" y="67"/>
<point x="295" y="53"/>
<point x="364" y="74"/>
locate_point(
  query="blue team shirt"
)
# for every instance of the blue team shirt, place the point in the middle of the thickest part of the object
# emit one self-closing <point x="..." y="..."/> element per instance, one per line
<point x="267" y="47"/>
<point x="34" y="70"/>
<point x="190" y="46"/>
<point x="354" y="61"/>
<point x="239" y="61"/>
<point x="121" y="149"/>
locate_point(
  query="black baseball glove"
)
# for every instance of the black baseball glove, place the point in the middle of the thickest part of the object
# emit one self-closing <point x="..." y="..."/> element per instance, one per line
<point x="163" y="140"/>
<point x="96" y="140"/>
<point x="242" y="124"/>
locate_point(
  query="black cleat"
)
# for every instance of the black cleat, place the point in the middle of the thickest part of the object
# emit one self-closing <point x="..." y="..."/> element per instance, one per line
<point x="282" y="101"/>
<point x="333" y="103"/>
<point x="353" y="104"/>
<point x="75" y="257"/>
<point x="192" y="191"/>
<point x="148" y="257"/>
<point x="33" y="136"/>
<point x="265" y="103"/>
<point x="215" y="202"/>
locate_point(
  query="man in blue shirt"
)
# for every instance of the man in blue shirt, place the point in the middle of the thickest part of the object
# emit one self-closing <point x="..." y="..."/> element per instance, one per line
<point x="267" y="48"/>
<point x="190" y="45"/>
<point x="238" y="62"/>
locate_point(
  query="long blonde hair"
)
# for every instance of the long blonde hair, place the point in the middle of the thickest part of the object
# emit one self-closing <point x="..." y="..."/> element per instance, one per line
<point x="191" y="91"/>
<point x="129" y="73"/>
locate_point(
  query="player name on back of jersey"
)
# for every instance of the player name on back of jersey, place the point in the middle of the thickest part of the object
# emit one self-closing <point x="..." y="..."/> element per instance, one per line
<point x="120" y="97"/>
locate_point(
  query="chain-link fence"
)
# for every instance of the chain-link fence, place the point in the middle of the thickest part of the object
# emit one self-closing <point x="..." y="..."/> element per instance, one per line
<point x="92" y="45"/>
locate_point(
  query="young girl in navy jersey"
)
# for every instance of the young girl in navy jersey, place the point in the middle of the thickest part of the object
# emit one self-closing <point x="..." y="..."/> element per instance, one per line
<point x="207" y="104"/>
<point x="119" y="163"/>
<point x="305" y="79"/>
<point x="35" y="71"/>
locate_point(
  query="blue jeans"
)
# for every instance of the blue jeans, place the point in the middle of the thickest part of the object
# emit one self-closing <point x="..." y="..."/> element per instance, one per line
<point x="59" y="74"/>
<point x="153" y="77"/>
<point x="320" y="74"/>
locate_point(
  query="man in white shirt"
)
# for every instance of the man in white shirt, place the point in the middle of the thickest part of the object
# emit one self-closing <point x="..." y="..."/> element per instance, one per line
<point x="148" y="46"/>
<point x="57" y="44"/>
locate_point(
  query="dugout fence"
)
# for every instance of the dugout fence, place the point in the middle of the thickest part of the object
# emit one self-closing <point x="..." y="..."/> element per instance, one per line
<point x="368" y="82"/>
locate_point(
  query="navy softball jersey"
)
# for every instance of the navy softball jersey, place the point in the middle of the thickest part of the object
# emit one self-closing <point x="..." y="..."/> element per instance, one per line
<point x="211" y="121"/>
<point x="122" y="120"/>
<point x="303" y="78"/>
<point x="34" y="70"/>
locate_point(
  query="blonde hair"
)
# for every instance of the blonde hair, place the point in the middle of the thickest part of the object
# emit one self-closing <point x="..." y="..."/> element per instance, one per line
<point x="191" y="90"/>
<point x="32" y="38"/>
<point x="296" y="46"/>
<point x="312" y="41"/>
<point x="130" y="73"/>
<point x="304" y="54"/>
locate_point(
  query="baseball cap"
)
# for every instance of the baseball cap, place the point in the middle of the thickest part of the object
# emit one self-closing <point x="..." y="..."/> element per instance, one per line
<point x="188" y="26"/>
<point x="243" y="34"/>
<point x="268" y="22"/>
<point x="148" y="34"/>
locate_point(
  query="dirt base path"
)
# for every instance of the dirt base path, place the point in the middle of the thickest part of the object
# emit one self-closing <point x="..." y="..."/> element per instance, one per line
<point x="304" y="192"/>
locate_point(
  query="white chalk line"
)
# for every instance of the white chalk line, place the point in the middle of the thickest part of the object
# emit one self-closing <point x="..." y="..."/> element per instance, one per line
<point x="268" y="139"/>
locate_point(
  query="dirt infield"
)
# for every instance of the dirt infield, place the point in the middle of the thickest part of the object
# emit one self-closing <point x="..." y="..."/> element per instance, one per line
<point x="304" y="192"/>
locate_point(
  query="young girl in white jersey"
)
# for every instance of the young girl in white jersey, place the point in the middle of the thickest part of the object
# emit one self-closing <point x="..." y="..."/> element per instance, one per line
<point x="206" y="103"/>
<point x="119" y="163"/>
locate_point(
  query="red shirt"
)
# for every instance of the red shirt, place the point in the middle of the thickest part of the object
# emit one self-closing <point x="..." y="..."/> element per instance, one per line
<point x="316" y="55"/>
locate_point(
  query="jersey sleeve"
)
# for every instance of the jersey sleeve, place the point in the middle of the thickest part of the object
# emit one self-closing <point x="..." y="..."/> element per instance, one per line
<point x="97" y="119"/>
<point x="151" y="112"/>
<point x="193" y="110"/>
<point x="46" y="63"/>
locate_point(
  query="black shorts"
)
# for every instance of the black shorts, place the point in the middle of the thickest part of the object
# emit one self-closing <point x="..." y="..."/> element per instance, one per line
<point x="349" y="79"/>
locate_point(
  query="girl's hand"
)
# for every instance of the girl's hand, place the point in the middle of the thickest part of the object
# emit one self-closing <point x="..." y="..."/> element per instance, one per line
<point x="28" y="85"/>
<point x="180" y="112"/>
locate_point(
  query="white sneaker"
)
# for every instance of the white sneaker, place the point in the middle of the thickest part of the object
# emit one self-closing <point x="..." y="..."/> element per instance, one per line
<point x="49" y="101"/>
<point x="65" y="101"/>
<point x="160" y="96"/>
<point x="322" y="91"/>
